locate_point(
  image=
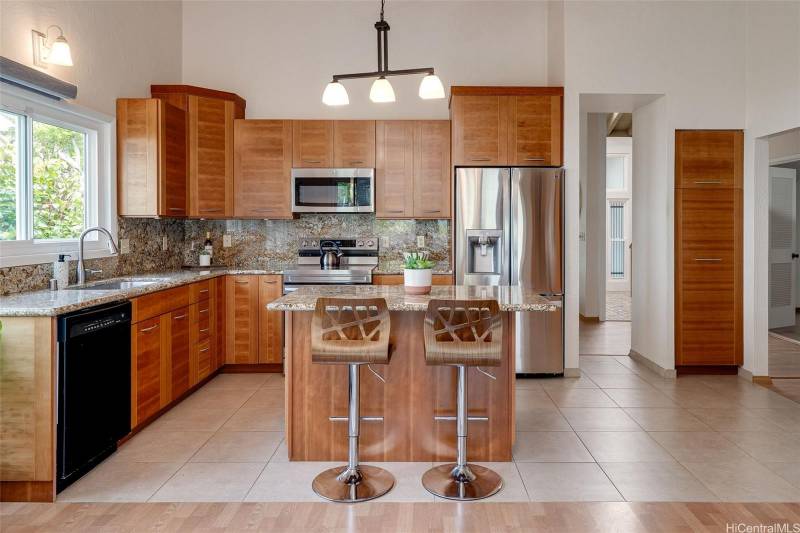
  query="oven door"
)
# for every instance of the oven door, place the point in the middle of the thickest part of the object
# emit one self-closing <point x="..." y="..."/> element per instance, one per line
<point x="333" y="190"/>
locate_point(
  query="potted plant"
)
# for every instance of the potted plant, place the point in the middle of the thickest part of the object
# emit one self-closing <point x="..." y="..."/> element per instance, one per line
<point x="205" y="258"/>
<point x="417" y="273"/>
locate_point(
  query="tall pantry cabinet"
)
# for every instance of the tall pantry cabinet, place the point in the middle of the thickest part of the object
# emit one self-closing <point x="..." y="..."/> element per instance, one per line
<point x="708" y="250"/>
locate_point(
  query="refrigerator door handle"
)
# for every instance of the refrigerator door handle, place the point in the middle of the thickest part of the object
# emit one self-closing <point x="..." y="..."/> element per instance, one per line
<point x="508" y="264"/>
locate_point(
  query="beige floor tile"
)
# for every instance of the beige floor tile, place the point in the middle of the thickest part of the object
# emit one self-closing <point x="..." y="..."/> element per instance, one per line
<point x="528" y="384"/>
<point x="698" y="446"/>
<point x="151" y="446"/>
<point x="190" y="418"/>
<point x="583" y="382"/>
<point x="605" y="368"/>
<point x="287" y="482"/>
<point x="734" y="419"/>
<point x="580" y="398"/>
<point x="239" y="381"/>
<point x="788" y="471"/>
<point x="567" y="482"/>
<point x="640" y="398"/>
<point x="656" y="482"/>
<point x="766" y="446"/>
<point x="620" y="381"/>
<point x="209" y="482"/>
<point x="256" y="419"/>
<point x="550" y="447"/>
<point x="266" y="398"/>
<point x="239" y="447"/>
<point x="755" y="396"/>
<point x="513" y="489"/>
<point x="281" y="454"/>
<point x="786" y="419"/>
<point x="599" y="419"/>
<point x="217" y="398"/>
<point x="744" y="480"/>
<point x="274" y="381"/>
<point x="532" y="399"/>
<point x="118" y="481"/>
<point x="665" y="419"/>
<point x="623" y="447"/>
<point x="547" y="419"/>
<point x="407" y="482"/>
<point x="691" y="396"/>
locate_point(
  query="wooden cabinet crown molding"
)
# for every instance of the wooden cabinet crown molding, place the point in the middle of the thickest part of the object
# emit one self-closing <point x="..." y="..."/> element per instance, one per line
<point x="199" y="91"/>
<point x="485" y="90"/>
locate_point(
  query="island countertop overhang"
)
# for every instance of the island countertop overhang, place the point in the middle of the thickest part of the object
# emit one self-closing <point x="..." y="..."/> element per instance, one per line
<point x="509" y="298"/>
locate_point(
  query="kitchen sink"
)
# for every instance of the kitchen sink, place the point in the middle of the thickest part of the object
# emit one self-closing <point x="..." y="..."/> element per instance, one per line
<point x="116" y="285"/>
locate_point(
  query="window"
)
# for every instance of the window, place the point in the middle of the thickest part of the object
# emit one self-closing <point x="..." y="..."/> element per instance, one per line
<point x="615" y="172"/>
<point x="55" y="178"/>
<point x="616" y="230"/>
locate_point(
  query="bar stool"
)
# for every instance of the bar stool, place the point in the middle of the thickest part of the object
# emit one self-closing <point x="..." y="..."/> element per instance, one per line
<point x="463" y="333"/>
<point x="353" y="332"/>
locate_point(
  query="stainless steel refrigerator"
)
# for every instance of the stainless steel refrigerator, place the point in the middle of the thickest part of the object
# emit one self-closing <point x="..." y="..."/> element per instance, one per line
<point x="509" y="231"/>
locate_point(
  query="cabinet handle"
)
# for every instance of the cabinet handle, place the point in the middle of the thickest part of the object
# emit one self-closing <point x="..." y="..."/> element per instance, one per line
<point x="203" y="290"/>
<point x="270" y="282"/>
<point x="242" y="281"/>
<point x="708" y="259"/>
<point x="311" y="161"/>
<point x="432" y="211"/>
<point x="211" y="210"/>
<point x="708" y="182"/>
<point x="181" y="317"/>
<point x="534" y="159"/>
<point x="264" y="209"/>
<point x="204" y="311"/>
<point x="394" y="210"/>
<point x="203" y="330"/>
<point x="146" y="330"/>
<point x="480" y="159"/>
<point x="356" y="162"/>
<point x="204" y="349"/>
<point x="177" y="209"/>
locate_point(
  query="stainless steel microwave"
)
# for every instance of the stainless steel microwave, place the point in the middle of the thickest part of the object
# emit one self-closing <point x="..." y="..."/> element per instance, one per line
<point x="333" y="190"/>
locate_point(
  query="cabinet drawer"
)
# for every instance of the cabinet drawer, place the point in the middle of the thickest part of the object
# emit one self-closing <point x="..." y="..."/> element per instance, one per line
<point x="203" y="320"/>
<point x="201" y="290"/>
<point x="709" y="158"/>
<point x="158" y="303"/>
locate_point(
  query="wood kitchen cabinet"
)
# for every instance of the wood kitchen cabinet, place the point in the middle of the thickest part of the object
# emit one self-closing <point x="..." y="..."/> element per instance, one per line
<point x="312" y="143"/>
<point x="210" y="115"/>
<point x="519" y="126"/>
<point x="708" y="250"/>
<point x="151" y="158"/>
<point x="270" y="323"/>
<point x="354" y="143"/>
<point x="149" y="368"/>
<point x="412" y="169"/>
<point x="180" y="349"/>
<point x="262" y="168"/>
<point x="219" y="291"/>
<point x="254" y="335"/>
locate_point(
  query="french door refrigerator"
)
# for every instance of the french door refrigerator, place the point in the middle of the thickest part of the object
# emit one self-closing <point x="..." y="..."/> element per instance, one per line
<point x="509" y="231"/>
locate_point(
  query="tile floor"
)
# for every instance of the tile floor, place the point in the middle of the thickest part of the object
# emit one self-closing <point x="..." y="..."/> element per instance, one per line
<point x="617" y="433"/>
<point x="618" y="305"/>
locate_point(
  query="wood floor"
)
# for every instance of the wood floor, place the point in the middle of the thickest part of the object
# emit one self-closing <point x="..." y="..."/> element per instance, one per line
<point x="394" y="517"/>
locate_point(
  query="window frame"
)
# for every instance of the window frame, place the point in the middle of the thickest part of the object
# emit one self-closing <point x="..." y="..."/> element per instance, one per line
<point x="100" y="194"/>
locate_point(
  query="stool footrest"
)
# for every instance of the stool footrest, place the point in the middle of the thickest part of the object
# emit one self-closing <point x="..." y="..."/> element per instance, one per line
<point x="469" y="418"/>
<point x="363" y="418"/>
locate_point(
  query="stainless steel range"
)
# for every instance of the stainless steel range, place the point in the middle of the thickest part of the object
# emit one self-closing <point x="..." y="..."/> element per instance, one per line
<point x="333" y="261"/>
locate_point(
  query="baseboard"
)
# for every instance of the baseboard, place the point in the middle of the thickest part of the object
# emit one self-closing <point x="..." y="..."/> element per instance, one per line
<point x="274" y="368"/>
<point x="667" y="373"/>
<point x="748" y="376"/>
<point x="27" y="491"/>
<point x="572" y="372"/>
<point x="707" y="370"/>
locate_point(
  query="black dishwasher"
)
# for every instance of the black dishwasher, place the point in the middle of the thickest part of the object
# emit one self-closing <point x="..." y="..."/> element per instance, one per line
<point x="94" y="387"/>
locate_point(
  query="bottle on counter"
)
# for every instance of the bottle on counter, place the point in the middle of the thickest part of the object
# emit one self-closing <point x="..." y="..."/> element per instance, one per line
<point x="208" y="245"/>
<point x="61" y="271"/>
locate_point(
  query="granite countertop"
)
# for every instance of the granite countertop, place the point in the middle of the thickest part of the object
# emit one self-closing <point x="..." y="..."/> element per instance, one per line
<point x="509" y="298"/>
<point x="52" y="303"/>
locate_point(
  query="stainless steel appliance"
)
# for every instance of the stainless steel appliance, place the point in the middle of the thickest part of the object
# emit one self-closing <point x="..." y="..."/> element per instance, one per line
<point x="333" y="190"/>
<point x="359" y="257"/>
<point x="509" y="231"/>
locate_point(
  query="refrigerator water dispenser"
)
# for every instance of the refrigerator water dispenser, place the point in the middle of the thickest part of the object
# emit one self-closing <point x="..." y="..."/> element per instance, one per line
<point x="484" y="248"/>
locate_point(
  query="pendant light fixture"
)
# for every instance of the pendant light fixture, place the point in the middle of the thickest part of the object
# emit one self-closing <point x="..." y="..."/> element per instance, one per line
<point x="382" y="91"/>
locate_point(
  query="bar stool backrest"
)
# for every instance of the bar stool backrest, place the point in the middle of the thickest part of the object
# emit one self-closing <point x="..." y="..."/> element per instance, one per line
<point x="463" y="332"/>
<point x="350" y="330"/>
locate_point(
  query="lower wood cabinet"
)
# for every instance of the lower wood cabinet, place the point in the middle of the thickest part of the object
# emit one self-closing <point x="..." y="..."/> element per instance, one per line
<point x="148" y="367"/>
<point x="180" y="349"/>
<point x="270" y="323"/>
<point x="253" y="334"/>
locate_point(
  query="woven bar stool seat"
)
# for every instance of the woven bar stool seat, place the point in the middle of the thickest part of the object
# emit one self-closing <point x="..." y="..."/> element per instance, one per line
<point x="463" y="333"/>
<point x="352" y="332"/>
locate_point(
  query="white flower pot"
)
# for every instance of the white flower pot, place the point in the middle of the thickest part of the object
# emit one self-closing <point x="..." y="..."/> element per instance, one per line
<point x="417" y="281"/>
<point x="205" y="260"/>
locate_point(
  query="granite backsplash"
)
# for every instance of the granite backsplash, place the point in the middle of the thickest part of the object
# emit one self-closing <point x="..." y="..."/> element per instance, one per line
<point x="255" y="244"/>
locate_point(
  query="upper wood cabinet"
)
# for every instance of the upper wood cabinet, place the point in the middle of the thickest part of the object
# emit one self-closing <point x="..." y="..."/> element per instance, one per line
<point x="262" y="167"/>
<point x="312" y="143"/>
<point x="412" y="169"/>
<point x="708" y="158"/>
<point x="210" y="116"/>
<point x="151" y="158"/>
<point x="354" y="143"/>
<point x="520" y="126"/>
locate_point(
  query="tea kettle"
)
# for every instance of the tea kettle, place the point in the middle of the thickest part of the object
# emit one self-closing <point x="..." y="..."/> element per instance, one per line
<point x="329" y="258"/>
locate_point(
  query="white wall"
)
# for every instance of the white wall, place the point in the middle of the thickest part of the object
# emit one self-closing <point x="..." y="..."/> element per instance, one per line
<point x="119" y="48"/>
<point x="594" y="271"/>
<point x="279" y="55"/>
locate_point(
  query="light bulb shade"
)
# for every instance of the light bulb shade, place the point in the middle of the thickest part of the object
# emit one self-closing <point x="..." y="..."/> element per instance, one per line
<point x="431" y="87"/>
<point x="335" y="94"/>
<point x="381" y="91"/>
<point x="59" y="53"/>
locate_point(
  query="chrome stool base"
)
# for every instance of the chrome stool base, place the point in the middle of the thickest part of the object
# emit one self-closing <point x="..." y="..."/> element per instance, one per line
<point x="374" y="482"/>
<point x="440" y="481"/>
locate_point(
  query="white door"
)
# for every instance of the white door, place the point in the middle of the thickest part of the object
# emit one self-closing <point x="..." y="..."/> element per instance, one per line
<point x="781" y="246"/>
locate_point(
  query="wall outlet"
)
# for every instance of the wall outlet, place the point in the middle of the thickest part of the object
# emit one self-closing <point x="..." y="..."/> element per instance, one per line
<point x="226" y="241"/>
<point x="164" y="243"/>
<point x="124" y="246"/>
<point x="420" y="241"/>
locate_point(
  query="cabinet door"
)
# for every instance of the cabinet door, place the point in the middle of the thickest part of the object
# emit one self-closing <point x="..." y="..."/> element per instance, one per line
<point x="173" y="198"/>
<point x="534" y="133"/>
<point x="138" y="124"/>
<point x="708" y="281"/>
<point x="149" y="347"/>
<point x="210" y="157"/>
<point x="180" y="351"/>
<point x="432" y="170"/>
<point x="312" y="143"/>
<point x="480" y="130"/>
<point x="262" y="168"/>
<point x="354" y="143"/>
<point x="204" y="357"/>
<point x="270" y="327"/>
<point x="219" y="286"/>
<point x="394" y="169"/>
<point x="709" y="158"/>
<point x="242" y="320"/>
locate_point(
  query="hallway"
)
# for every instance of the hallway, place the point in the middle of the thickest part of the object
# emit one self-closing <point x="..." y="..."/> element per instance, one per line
<point x="604" y="338"/>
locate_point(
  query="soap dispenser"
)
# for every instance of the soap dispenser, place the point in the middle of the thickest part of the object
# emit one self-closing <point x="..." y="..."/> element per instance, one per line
<point x="61" y="271"/>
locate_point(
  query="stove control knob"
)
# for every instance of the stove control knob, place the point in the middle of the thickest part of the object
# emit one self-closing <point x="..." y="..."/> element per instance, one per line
<point x="359" y="243"/>
<point x="370" y="243"/>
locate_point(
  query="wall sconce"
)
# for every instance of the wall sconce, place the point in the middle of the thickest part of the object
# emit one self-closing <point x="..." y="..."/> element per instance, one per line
<point x="56" y="54"/>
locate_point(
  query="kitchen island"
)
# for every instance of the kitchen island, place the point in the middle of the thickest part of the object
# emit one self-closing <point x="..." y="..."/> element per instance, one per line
<point x="414" y="393"/>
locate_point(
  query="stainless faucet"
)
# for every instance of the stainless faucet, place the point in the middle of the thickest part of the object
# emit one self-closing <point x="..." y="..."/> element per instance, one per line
<point x="113" y="246"/>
